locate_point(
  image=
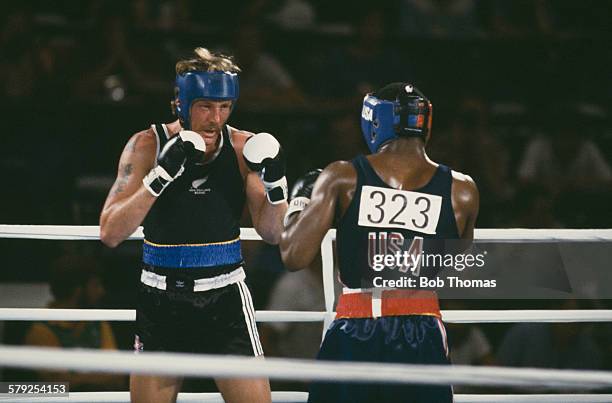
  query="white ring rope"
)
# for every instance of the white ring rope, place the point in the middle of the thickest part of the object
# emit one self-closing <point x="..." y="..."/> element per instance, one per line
<point x="174" y="364"/>
<point x="92" y="232"/>
<point x="453" y="316"/>
<point x="81" y="232"/>
<point x="301" y="397"/>
<point x="215" y="366"/>
<point x="124" y="397"/>
<point x="129" y="315"/>
<point x="578" y="398"/>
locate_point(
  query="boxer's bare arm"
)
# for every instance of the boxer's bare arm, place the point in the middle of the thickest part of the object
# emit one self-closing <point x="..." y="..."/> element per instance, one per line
<point x="267" y="218"/>
<point x="128" y="201"/>
<point x="301" y="241"/>
<point x="466" y="203"/>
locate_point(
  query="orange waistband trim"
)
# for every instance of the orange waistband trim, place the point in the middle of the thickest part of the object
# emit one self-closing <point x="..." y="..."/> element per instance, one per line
<point x="391" y="303"/>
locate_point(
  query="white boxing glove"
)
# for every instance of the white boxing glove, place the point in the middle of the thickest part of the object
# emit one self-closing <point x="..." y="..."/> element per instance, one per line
<point x="264" y="154"/>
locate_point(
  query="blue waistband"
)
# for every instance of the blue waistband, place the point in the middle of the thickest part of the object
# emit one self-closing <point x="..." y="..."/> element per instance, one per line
<point x="198" y="255"/>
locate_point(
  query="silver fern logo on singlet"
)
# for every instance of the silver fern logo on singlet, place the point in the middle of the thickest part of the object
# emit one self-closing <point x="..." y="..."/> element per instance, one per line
<point x="195" y="186"/>
<point x="392" y="208"/>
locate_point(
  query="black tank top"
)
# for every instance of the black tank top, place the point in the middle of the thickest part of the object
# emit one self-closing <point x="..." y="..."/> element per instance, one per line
<point x="203" y="205"/>
<point x="380" y="225"/>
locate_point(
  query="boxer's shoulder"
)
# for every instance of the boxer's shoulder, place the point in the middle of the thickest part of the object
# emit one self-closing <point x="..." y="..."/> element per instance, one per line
<point x="142" y="141"/>
<point x="464" y="186"/>
<point x="141" y="148"/>
<point x="238" y="137"/>
<point x="340" y="174"/>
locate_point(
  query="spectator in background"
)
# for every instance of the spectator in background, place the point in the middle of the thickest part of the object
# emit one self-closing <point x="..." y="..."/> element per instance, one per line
<point x="75" y="284"/>
<point x="301" y="291"/>
<point x="550" y="345"/>
<point x="164" y="15"/>
<point x="566" y="159"/>
<point x="366" y="63"/>
<point x="294" y="15"/>
<point x="53" y="58"/>
<point x="439" y="18"/>
<point x="264" y="81"/>
<point x="517" y="18"/>
<point x="535" y="208"/>
<point x="470" y="145"/>
<point x="17" y="67"/>
<point x="567" y="18"/>
<point x="467" y="343"/>
<point x="120" y="73"/>
<point x="569" y="165"/>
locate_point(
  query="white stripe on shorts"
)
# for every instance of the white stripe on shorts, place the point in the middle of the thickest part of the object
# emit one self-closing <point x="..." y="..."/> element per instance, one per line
<point x="443" y="334"/>
<point x="249" y="317"/>
<point x="252" y="309"/>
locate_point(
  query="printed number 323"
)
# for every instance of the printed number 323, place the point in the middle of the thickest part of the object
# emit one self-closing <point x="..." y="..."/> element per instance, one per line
<point x="392" y="208"/>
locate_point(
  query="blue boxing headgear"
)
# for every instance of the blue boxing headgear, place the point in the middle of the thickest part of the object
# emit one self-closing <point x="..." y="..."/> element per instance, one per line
<point x="407" y="115"/>
<point x="194" y="85"/>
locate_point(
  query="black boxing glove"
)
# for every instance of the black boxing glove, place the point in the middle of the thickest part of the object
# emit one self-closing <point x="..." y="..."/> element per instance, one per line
<point x="263" y="153"/>
<point x="301" y="193"/>
<point x="186" y="146"/>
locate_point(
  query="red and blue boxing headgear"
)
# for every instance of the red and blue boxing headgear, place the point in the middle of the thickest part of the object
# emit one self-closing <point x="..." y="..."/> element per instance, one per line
<point x="385" y="118"/>
<point x="194" y="85"/>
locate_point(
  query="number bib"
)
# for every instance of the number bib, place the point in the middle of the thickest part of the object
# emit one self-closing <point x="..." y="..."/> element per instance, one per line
<point x="391" y="208"/>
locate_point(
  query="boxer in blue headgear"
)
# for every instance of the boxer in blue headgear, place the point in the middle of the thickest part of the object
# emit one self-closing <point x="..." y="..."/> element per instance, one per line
<point x="394" y="200"/>
<point x="407" y="114"/>
<point x="212" y="85"/>
<point x="187" y="182"/>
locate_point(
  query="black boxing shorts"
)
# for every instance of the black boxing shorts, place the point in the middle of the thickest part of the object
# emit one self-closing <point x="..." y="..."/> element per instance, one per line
<point x="183" y="311"/>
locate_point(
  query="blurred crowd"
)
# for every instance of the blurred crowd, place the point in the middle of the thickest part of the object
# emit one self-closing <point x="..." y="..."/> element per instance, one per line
<point x="521" y="95"/>
<point x="520" y="91"/>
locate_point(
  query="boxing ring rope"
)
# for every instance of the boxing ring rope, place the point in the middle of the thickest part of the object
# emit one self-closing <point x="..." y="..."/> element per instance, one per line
<point x="301" y="397"/>
<point x="92" y="233"/>
<point x="203" y="365"/>
<point x="209" y="366"/>
<point x="452" y="316"/>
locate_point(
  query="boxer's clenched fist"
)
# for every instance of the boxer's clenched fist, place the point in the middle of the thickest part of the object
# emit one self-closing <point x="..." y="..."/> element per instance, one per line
<point x="186" y="146"/>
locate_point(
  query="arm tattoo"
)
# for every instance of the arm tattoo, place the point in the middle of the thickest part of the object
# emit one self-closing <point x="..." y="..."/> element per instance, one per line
<point x="125" y="170"/>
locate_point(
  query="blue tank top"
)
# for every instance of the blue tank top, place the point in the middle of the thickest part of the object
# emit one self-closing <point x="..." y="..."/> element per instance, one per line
<point x="383" y="220"/>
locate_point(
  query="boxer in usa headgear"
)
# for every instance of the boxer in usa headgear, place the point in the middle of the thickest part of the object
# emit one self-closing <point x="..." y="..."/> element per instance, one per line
<point x="397" y="110"/>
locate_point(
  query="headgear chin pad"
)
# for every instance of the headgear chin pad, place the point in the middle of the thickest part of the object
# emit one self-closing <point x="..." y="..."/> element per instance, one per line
<point x="383" y="120"/>
<point x="194" y="85"/>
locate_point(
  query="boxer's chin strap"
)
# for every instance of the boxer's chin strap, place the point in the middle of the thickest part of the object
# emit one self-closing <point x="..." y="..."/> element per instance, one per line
<point x="295" y="206"/>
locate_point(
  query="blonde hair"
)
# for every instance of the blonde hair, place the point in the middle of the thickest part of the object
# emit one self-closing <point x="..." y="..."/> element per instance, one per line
<point x="205" y="60"/>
